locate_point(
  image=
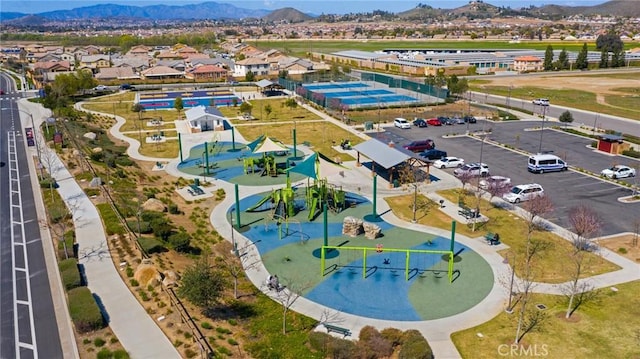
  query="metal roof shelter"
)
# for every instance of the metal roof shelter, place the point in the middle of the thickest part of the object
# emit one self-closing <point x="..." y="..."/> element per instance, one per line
<point x="381" y="153"/>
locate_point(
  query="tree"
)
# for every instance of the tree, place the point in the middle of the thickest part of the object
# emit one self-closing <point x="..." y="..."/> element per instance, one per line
<point x="250" y="77"/>
<point x="609" y="42"/>
<point x="138" y="108"/>
<point x="528" y="319"/>
<point x="563" y="60"/>
<point x="566" y="117"/>
<point x="497" y="188"/>
<point x="585" y="223"/>
<point x="246" y="107"/>
<point x="548" y="58"/>
<point x="287" y="296"/>
<point x="290" y="103"/>
<point x="581" y="61"/>
<point x="604" y="59"/>
<point x="201" y="284"/>
<point x="178" y="104"/>
<point x="268" y="109"/>
<point x="457" y="86"/>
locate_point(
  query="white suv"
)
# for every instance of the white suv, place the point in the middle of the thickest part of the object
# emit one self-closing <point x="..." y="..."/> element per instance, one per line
<point x="474" y="169"/>
<point x="401" y="123"/>
<point x="541" y="101"/>
<point x="524" y="192"/>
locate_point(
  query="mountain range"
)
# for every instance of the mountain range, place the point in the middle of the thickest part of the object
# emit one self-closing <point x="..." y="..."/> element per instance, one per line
<point x="223" y="11"/>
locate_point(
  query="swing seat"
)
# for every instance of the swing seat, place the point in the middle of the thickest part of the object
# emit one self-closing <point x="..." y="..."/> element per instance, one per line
<point x="437" y="274"/>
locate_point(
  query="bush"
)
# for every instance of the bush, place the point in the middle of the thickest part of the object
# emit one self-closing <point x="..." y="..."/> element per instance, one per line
<point x="92" y="191"/>
<point x="151" y="245"/>
<point x="84" y="310"/>
<point x="414" y="346"/>
<point x="145" y="227"/>
<point x="124" y="161"/>
<point x="70" y="274"/>
<point x="631" y="153"/>
<point x="206" y="325"/>
<point x="180" y="241"/>
<point x="111" y="222"/>
<point x="48" y="183"/>
<point x="99" y="342"/>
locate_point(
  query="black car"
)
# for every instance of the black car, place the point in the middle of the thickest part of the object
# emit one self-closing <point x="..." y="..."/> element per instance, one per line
<point x="470" y="119"/>
<point x="433" y="154"/>
<point x="420" y="122"/>
<point x="443" y="119"/>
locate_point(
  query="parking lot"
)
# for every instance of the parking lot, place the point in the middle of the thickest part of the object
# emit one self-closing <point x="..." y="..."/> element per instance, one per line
<point x="566" y="189"/>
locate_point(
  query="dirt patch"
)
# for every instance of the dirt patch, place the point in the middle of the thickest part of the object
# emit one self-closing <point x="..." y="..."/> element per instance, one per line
<point x="574" y="318"/>
<point x="623" y="245"/>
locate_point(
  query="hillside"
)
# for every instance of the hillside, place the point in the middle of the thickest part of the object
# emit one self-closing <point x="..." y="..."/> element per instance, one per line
<point x="288" y="14"/>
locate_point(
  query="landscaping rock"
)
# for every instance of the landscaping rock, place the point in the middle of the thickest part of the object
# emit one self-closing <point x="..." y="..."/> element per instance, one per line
<point x="351" y="226"/>
<point x="153" y="204"/>
<point x="90" y="135"/>
<point x="371" y="230"/>
<point x="171" y="279"/>
<point x="145" y="274"/>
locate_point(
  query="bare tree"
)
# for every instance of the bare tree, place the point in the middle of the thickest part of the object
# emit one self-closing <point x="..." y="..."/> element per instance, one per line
<point x="287" y="295"/>
<point x="497" y="189"/>
<point x="529" y="319"/>
<point x="585" y="223"/>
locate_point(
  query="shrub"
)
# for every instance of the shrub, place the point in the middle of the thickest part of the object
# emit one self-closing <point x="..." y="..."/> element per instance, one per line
<point x="145" y="227"/>
<point x="70" y="274"/>
<point x="151" y="245"/>
<point x="134" y="283"/>
<point x="180" y="241"/>
<point x="631" y="153"/>
<point x="206" y="325"/>
<point x="414" y="346"/>
<point x="92" y="191"/>
<point x="111" y="221"/>
<point x="84" y="310"/>
<point x="99" y="342"/>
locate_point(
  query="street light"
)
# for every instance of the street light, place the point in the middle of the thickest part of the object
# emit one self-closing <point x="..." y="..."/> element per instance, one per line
<point x="544" y="112"/>
<point x="35" y="137"/>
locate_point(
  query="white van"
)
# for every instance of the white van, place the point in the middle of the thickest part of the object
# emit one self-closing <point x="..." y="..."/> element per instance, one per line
<point x="541" y="163"/>
<point x="523" y="192"/>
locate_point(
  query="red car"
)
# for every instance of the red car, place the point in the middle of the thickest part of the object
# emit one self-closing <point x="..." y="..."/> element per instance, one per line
<point x="434" y="122"/>
<point x="1" y="92"/>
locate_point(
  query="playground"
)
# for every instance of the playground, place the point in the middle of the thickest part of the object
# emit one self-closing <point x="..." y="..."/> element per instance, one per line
<point x="332" y="242"/>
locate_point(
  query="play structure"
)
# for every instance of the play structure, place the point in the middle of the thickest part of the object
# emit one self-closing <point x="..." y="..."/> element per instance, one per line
<point x="267" y="164"/>
<point x="320" y="193"/>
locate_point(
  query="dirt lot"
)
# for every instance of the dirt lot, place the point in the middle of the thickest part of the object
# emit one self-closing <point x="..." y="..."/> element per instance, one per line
<point x="623" y="245"/>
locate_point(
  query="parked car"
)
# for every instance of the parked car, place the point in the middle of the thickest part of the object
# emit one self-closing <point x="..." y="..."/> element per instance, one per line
<point x="401" y="123"/>
<point x="100" y="88"/>
<point x="434" y="122"/>
<point x="449" y="162"/>
<point x="541" y="101"/>
<point x="524" y="192"/>
<point x="470" y="119"/>
<point x="444" y="120"/>
<point x="474" y="169"/>
<point x="420" y="122"/>
<point x="1" y="92"/>
<point x="433" y="154"/>
<point x="126" y="87"/>
<point x="619" y="171"/>
<point x="421" y="145"/>
<point x="459" y="120"/>
<point x="493" y="181"/>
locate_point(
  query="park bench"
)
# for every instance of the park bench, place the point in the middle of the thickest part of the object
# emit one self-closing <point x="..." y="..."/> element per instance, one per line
<point x="467" y="212"/>
<point x="492" y="239"/>
<point x="332" y="328"/>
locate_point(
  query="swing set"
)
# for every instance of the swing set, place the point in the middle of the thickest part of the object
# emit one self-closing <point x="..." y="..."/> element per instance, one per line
<point x="378" y="250"/>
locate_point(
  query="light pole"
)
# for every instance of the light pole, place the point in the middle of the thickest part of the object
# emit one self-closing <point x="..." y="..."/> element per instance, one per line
<point x="544" y="112"/>
<point x="35" y="138"/>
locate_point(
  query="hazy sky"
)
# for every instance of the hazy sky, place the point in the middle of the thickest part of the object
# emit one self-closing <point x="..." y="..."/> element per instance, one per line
<point x="307" y="6"/>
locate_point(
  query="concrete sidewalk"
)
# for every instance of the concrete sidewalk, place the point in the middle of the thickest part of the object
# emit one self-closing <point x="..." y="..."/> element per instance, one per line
<point x="135" y="329"/>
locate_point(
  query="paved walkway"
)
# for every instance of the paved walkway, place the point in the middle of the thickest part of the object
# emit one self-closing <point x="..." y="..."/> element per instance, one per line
<point x="135" y="329"/>
<point x="438" y="332"/>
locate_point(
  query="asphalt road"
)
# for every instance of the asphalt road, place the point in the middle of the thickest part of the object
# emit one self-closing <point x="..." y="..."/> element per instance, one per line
<point x="566" y="189"/>
<point x="28" y="327"/>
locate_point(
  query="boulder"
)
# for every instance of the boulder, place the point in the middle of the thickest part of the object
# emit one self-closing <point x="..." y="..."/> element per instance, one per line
<point x="90" y="135"/>
<point x="351" y="226"/>
<point x="146" y="274"/>
<point x="153" y="204"/>
<point x="171" y="279"/>
<point x="371" y="230"/>
<point x="97" y="150"/>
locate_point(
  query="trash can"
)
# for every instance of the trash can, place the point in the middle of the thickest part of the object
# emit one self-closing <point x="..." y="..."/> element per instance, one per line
<point x="368" y="126"/>
<point x="396" y="183"/>
<point x="196" y="182"/>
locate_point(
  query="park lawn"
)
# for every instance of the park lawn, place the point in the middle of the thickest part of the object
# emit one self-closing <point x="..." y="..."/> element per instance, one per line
<point x="123" y="109"/>
<point x="554" y="264"/>
<point x="280" y="112"/>
<point x="402" y="207"/>
<point x="320" y="135"/>
<point x="604" y="328"/>
<point x="167" y="149"/>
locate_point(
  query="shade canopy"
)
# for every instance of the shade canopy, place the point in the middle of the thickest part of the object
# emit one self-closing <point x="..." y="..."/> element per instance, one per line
<point x="381" y="153"/>
<point x="317" y="166"/>
<point x="269" y="145"/>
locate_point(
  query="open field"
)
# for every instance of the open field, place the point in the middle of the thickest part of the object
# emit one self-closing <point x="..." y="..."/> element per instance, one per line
<point x="605" y="328"/>
<point x="614" y="94"/>
<point x="301" y="47"/>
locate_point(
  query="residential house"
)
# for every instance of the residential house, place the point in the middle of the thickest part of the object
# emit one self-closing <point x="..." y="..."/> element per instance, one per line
<point x="94" y="62"/>
<point x="136" y="63"/>
<point x="207" y="73"/>
<point x="178" y="65"/>
<point x="258" y="66"/>
<point x="116" y="73"/>
<point x="297" y="66"/>
<point x="140" y="50"/>
<point x="161" y="73"/>
<point x="44" y="71"/>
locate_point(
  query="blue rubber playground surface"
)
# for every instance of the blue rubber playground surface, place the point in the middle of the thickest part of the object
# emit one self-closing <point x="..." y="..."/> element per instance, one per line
<point x="291" y="250"/>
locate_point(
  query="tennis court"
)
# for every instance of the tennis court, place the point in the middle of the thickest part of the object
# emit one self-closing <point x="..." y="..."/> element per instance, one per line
<point x="166" y="100"/>
<point x="356" y="94"/>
